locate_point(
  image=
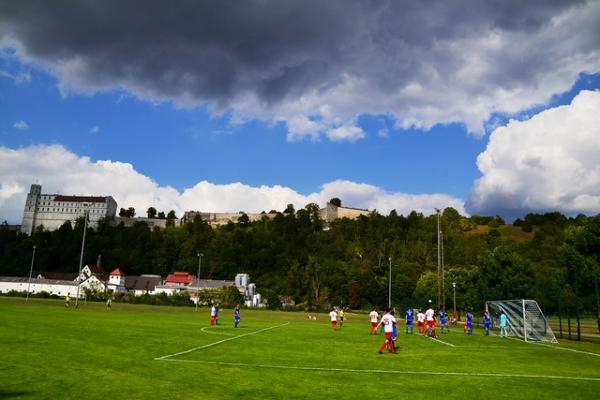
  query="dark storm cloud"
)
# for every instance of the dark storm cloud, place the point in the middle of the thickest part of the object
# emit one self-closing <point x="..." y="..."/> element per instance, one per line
<point x="213" y="51"/>
<point x="315" y="65"/>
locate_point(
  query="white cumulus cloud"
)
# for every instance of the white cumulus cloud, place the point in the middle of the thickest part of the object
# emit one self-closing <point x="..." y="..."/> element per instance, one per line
<point x="21" y="125"/>
<point x="547" y="163"/>
<point x="61" y="171"/>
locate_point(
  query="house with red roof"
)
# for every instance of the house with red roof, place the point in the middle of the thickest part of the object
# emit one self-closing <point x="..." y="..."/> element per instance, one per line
<point x="139" y="285"/>
<point x="180" y="279"/>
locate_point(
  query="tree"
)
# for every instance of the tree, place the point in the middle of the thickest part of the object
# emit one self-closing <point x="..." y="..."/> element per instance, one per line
<point x="336" y="202"/>
<point x="151" y="212"/>
<point x="130" y="212"/>
<point x="161" y="215"/>
<point x="171" y="217"/>
<point x="289" y="209"/>
<point x="122" y="212"/>
<point x="244" y="220"/>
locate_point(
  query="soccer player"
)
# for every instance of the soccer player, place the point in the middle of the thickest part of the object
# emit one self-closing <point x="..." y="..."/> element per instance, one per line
<point x="486" y="322"/>
<point x="236" y="316"/>
<point x="333" y="317"/>
<point x="109" y="303"/>
<point x="420" y="321"/>
<point x="469" y="324"/>
<point x="388" y="321"/>
<point x="341" y="315"/>
<point x="213" y="313"/>
<point x="430" y="318"/>
<point x="503" y="325"/>
<point x="67" y="301"/>
<point x="443" y="320"/>
<point x="217" y="314"/>
<point x="394" y="331"/>
<point x="408" y="318"/>
<point x="374" y="317"/>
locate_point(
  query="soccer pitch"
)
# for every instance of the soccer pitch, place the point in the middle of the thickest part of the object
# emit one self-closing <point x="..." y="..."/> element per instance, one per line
<point x="148" y="352"/>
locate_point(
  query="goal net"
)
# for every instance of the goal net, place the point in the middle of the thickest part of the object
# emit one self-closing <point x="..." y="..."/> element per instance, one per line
<point x="525" y="319"/>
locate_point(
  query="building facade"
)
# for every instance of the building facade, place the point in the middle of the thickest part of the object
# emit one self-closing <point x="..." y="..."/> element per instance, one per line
<point x="332" y="212"/>
<point x="53" y="210"/>
<point x="216" y="218"/>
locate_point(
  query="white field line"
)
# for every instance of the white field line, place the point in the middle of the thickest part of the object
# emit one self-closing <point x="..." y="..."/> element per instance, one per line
<point x="441" y="341"/>
<point x="558" y="347"/>
<point x="219" y="342"/>
<point x="383" y="371"/>
<point x="214" y="333"/>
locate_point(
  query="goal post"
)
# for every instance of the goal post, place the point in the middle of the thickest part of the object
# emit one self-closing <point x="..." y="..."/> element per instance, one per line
<point x="525" y="319"/>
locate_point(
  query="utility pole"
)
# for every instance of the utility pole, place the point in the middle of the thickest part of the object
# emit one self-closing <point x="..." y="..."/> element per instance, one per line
<point x="30" y="272"/>
<point x="198" y="287"/>
<point x="439" y="259"/>
<point x="454" y="288"/>
<point x="443" y="272"/>
<point x="85" y="218"/>
<point x="390" y="285"/>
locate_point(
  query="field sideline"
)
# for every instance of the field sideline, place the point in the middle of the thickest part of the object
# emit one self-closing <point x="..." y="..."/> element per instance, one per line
<point x="141" y="352"/>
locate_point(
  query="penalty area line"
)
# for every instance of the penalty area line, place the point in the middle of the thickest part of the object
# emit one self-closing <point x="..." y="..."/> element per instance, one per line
<point x="558" y="347"/>
<point x="219" y="342"/>
<point x="383" y="371"/>
<point x="441" y="341"/>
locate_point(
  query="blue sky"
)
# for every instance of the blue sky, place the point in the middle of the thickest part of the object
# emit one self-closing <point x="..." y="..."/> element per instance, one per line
<point x="408" y="142"/>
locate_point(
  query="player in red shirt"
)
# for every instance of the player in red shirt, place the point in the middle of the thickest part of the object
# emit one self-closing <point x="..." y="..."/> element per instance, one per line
<point x="388" y="322"/>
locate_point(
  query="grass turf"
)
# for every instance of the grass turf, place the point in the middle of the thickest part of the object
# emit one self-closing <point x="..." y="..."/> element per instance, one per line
<point x="51" y="352"/>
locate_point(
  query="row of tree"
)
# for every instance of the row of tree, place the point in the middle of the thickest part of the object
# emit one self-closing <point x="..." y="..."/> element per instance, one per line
<point x="552" y="258"/>
<point x="151" y="213"/>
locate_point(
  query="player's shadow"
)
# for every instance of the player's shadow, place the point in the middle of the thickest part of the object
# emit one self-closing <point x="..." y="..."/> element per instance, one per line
<point x="5" y="394"/>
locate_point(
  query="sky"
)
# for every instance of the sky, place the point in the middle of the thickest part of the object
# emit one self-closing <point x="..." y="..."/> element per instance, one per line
<point x="492" y="108"/>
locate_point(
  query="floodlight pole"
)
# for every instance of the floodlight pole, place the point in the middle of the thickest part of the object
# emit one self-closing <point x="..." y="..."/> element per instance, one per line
<point x="454" y="289"/>
<point x="30" y="272"/>
<point x="198" y="285"/>
<point x="390" y="285"/>
<point x="439" y="260"/>
<point x="85" y="218"/>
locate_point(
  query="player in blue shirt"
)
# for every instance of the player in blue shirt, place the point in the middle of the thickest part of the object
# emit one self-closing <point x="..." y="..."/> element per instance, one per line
<point x="486" y="322"/>
<point x="236" y="316"/>
<point x="443" y="320"/>
<point x="409" y="321"/>
<point x="470" y="322"/>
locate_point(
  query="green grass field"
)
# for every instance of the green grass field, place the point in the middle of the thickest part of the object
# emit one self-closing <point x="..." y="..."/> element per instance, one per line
<point x="131" y="352"/>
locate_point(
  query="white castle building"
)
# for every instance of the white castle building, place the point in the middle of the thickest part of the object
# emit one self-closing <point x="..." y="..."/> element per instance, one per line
<point x="53" y="210"/>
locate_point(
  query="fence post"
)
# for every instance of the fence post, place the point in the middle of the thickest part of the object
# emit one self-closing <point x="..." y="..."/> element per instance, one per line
<point x="569" y="322"/>
<point x="597" y="303"/>
<point x="559" y="316"/>
<point x="577" y="307"/>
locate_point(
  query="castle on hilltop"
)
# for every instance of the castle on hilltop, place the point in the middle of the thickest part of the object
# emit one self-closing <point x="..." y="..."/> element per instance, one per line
<point x="51" y="211"/>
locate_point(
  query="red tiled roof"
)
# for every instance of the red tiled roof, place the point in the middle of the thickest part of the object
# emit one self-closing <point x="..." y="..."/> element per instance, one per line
<point x="90" y="199"/>
<point x="94" y="269"/>
<point x="180" y="277"/>
<point x="117" y="271"/>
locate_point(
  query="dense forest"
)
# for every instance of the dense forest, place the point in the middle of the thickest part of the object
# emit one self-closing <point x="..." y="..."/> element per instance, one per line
<point x="551" y="258"/>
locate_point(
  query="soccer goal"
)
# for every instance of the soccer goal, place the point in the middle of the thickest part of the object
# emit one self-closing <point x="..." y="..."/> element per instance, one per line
<point x="525" y="319"/>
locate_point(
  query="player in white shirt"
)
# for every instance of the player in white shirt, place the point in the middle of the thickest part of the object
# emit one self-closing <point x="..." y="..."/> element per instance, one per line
<point x="430" y="319"/>
<point x="388" y="321"/>
<point x="333" y="318"/>
<point x="374" y="317"/>
<point x="420" y="321"/>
